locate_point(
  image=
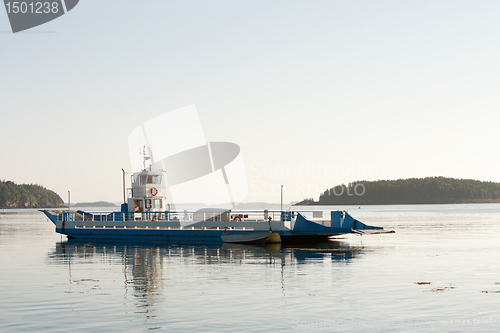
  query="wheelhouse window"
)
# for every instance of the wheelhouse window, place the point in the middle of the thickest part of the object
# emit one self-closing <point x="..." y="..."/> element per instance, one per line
<point x="149" y="179"/>
<point x="155" y="179"/>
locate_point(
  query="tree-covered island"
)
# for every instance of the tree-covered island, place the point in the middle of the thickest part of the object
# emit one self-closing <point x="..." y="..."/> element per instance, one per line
<point x="430" y="190"/>
<point x="27" y="196"/>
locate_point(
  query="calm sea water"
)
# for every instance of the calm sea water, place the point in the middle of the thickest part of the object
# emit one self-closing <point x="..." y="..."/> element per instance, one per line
<point x="440" y="271"/>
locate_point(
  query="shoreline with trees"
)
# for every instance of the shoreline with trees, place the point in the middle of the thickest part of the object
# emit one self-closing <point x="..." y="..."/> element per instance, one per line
<point x="27" y="196"/>
<point x="430" y="190"/>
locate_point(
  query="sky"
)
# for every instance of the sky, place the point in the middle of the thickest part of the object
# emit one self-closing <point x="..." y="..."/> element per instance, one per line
<point x="315" y="93"/>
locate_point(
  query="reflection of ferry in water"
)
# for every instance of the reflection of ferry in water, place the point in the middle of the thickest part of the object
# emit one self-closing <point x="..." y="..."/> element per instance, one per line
<point x="151" y="272"/>
<point x="147" y="216"/>
<point x="150" y="254"/>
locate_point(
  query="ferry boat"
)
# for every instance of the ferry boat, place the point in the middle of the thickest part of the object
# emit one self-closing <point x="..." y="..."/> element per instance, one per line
<point x="146" y="215"/>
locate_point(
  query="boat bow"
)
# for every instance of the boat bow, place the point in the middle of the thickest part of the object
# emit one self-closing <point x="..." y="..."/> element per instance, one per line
<point x="340" y="223"/>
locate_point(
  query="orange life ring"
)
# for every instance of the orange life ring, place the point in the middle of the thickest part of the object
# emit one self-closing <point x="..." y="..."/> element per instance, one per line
<point x="154" y="191"/>
<point x="237" y="218"/>
<point x="89" y="218"/>
<point x="154" y="218"/>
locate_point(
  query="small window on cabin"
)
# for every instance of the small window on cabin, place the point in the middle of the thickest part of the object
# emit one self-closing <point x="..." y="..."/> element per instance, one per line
<point x="157" y="203"/>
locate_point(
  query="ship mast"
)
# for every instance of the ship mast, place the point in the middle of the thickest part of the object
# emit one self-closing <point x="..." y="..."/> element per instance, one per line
<point x="146" y="157"/>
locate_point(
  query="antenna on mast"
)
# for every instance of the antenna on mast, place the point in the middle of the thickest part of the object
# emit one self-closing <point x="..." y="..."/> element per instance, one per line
<point x="146" y="157"/>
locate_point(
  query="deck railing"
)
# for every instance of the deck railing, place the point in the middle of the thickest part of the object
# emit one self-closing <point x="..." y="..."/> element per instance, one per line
<point x="186" y="216"/>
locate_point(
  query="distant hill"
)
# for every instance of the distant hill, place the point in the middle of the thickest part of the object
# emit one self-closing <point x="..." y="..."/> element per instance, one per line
<point x="430" y="190"/>
<point x="27" y="196"/>
<point x="94" y="204"/>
